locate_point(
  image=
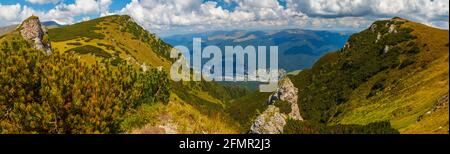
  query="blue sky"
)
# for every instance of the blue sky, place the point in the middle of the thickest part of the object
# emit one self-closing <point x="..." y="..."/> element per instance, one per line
<point x="166" y="17"/>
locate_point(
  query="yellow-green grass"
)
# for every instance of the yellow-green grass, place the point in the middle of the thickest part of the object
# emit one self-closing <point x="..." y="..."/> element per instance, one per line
<point x="206" y="96"/>
<point x="123" y="42"/>
<point x="185" y="118"/>
<point x="410" y="92"/>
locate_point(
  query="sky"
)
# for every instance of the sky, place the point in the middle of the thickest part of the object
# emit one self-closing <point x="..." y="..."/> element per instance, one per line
<point x="168" y="17"/>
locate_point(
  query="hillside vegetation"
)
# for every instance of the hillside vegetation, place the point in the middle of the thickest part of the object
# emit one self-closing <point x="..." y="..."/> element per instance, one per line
<point x="114" y="39"/>
<point x="60" y="94"/>
<point x="106" y="75"/>
<point x="109" y="75"/>
<point x="395" y="71"/>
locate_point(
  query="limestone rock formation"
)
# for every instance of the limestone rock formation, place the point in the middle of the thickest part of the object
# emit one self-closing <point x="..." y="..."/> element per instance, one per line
<point x="271" y="121"/>
<point x="287" y="92"/>
<point x="32" y="31"/>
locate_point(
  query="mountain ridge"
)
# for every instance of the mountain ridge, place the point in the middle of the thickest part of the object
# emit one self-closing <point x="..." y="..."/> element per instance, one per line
<point x="389" y="78"/>
<point x="90" y="56"/>
<point x="299" y="48"/>
<point x="387" y="60"/>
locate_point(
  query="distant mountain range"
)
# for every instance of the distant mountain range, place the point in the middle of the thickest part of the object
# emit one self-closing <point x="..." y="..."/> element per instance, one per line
<point x="48" y="24"/>
<point x="298" y="49"/>
<point x="389" y="78"/>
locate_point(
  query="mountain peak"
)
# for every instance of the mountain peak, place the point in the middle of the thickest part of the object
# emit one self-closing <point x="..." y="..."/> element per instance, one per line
<point x="399" y="18"/>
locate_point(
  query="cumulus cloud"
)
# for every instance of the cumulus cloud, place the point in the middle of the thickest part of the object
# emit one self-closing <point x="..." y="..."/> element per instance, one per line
<point x="166" y="16"/>
<point x="43" y="1"/>
<point x="158" y="15"/>
<point x="9" y="13"/>
<point x="61" y="13"/>
<point x="428" y="11"/>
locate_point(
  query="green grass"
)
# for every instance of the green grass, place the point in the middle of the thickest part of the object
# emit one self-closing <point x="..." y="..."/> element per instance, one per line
<point x="285" y="107"/>
<point x="185" y="118"/>
<point x="115" y="34"/>
<point x="363" y="84"/>
<point x="307" y="127"/>
<point x="109" y="47"/>
<point x="89" y="49"/>
<point x="245" y="109"/>
<point x="85" y="29"/>
<point x="74" y="43"/>
<point x="195" y="107"/>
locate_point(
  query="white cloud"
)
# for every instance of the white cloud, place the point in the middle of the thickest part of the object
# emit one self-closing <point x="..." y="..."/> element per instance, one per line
<point x="9" y="13"/>
<point x="330" y="7"/>
<point x="61" y="13"/>
<point x="158" y="15"/>
<point x="43" y="1"/>
<point x="163" y="16"/>
<point x="428" y="11"/>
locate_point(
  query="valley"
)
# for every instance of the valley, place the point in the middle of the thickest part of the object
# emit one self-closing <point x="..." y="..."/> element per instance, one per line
<point x="110" y="75"/>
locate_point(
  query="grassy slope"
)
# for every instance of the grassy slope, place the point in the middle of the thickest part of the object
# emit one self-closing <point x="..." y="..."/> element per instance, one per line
<point x="115" y="31"/>
<point x="362" y="84"/>
<point x="416" y="92"/>
<point x="245" y="109"/>
<point x="194" y="107"/>
<point x="185" y="118"/>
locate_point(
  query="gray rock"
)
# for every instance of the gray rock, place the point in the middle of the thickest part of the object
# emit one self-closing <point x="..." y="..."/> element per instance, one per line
<point x="378" y="37"/>
<point x="373" y="27"/>
<point x="386" y="49"/>
<point x="270" y="121"/>
<point x="32" y="31"/>
<point x="287" y="92"/>
<point x="392" y="29"/>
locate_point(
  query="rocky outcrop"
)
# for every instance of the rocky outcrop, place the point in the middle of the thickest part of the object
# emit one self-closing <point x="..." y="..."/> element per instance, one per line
<point x="287" y="92"/>
<point x="386" y="49"/>
<point x="373" y="27"/>
<point x="347" y="45"/>
<point x="271" y="121"/>
<point x="392" y="29"/>
<point x="32" y="31"/>
<point x="378" y="37"/>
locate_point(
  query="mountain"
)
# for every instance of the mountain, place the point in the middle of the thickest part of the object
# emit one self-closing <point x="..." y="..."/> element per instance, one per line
<point x="110" y="75"/>
<point x="51" y="24"/>
<point x="396" y="71"/>
<point x="47" y="24"/>
<point x="118" y="40"/>
<point x="114" y="38"/>
<point x="389" y="78"/>
<point x="298" y="49"/>
<point x="7" y="29"/>
<point x="106" y="75"/>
